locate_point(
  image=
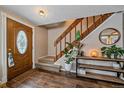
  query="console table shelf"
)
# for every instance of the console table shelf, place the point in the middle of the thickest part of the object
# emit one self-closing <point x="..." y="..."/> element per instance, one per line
<point x="115" y="79"/>
<point x="103" y="78"/>
<point x="100" y="59"/>
<point x="105" y="68"/>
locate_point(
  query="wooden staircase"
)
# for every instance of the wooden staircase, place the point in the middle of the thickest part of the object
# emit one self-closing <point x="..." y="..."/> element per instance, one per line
<point x="84" y="25"/>
<point x="48" y="63"/>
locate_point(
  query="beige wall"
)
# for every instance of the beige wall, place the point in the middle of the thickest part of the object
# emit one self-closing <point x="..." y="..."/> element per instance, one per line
<point x="53" y="34"/>
<point x="40" y="42"/>
<point x="115" y="21"/>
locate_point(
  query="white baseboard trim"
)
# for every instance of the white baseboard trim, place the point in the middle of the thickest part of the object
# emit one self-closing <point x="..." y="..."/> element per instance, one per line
<point x="4" y="80"/>
<point x="33" y="67"/>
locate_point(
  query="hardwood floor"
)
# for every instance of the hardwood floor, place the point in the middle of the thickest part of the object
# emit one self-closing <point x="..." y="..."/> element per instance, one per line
<point x="44" y="79"/>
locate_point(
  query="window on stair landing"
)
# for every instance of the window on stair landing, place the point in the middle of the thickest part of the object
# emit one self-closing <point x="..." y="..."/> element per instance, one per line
<point x="21" y="42"/>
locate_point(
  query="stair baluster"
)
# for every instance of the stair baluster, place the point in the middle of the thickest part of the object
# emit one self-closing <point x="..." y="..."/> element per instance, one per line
<point x="81" y="27"/>
<point x="75" y="32"/>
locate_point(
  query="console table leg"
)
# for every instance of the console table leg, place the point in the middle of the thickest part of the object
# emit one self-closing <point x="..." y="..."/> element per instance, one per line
<point x="118" y="74"/>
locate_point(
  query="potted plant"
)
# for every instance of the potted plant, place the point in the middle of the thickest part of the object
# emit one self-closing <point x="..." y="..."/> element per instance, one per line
<point x="78" y="44"/>
<point x="70" y="56"/>
<point x="73" y="52"/>
<point x="112" y="51"/>
<point x="106" y="51"/>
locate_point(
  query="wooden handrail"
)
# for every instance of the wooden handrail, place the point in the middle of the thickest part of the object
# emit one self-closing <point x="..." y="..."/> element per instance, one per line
<point x="67" y="30"/>
<point x="89" y="29"/>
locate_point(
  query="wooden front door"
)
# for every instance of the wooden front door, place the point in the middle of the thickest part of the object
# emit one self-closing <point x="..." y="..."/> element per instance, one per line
<point x="19" y="48"/>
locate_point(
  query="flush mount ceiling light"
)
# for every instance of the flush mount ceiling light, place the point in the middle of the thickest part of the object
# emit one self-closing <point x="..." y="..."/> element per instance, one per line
<point x="41" y="12"/>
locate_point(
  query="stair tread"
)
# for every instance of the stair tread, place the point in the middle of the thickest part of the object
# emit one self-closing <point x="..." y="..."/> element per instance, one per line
<point x="51" y="57"/>
<point x="47" y="59"/>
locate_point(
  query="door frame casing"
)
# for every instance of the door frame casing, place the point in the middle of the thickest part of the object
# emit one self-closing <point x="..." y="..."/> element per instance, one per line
<point x="4" y="43"/>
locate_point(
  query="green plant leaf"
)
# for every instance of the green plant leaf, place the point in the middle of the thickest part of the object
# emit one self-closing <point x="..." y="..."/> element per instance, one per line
<point x="112" y="50"/>
<point x="103" y="48"/>
<point x="78" y="36"/>
<point x="65" y="51"/>
<point x="69" y="45"/>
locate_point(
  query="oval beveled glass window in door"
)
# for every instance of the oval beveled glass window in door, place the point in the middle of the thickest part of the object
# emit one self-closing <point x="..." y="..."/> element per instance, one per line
<point x="22" y="42"/>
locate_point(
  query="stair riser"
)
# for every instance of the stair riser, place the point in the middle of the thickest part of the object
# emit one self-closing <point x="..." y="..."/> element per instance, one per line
<point x="47" y="61"/>
<point x="54" y="69"/>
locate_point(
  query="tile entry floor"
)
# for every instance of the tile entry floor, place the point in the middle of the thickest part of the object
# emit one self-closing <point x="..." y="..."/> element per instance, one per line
<point x="36" y="78"/>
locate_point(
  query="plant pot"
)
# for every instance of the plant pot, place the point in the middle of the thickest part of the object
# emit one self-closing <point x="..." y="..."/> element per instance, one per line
<point x="68" y="67"/>
<point x="115" y="56"/>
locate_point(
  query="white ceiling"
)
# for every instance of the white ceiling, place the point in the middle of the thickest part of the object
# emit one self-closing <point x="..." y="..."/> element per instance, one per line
<point x="60" y="13"/>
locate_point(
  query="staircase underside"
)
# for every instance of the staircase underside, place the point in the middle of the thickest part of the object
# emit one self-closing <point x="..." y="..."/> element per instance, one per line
<point x="47" y="63"/>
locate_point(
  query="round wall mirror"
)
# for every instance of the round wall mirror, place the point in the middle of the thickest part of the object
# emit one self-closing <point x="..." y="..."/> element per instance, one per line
<point x="109" y="36"/>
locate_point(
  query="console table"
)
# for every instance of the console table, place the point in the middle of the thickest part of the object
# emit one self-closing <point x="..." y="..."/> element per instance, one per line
<point x="108" y="78"/>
